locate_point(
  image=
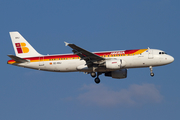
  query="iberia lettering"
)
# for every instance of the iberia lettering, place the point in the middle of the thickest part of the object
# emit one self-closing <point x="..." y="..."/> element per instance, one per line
<point x="118" y="52"/>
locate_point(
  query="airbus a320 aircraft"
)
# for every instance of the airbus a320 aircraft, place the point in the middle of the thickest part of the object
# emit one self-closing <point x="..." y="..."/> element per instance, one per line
<point x="110" y="63"/>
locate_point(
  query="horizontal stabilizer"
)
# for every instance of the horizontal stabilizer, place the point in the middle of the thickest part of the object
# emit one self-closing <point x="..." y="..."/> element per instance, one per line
<point x="18" y="59"/>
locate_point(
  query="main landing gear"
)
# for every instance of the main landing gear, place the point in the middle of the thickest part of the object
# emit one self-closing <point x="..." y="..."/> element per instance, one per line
<point x="93" y="74"/>
<point x="151" y="69"/>
<point x="96" y="80"/>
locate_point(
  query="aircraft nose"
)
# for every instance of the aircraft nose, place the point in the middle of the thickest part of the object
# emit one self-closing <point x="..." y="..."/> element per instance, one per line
<point x="170" y="59"/>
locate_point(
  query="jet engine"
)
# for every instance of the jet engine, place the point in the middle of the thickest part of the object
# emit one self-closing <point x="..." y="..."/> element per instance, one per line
<point x="118" y="74"/>
<point x="115" y="63"/>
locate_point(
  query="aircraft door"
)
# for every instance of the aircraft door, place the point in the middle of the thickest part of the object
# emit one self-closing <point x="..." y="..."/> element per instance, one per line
<point x="150" y="54"/>
<point x="41" y="61"/>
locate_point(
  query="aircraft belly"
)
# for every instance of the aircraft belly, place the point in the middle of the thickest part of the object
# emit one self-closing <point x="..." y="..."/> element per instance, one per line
<point x="34" y="65"/>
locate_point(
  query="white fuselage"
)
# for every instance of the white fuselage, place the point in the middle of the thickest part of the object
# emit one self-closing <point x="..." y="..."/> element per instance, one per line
<point x="145" y="59"/>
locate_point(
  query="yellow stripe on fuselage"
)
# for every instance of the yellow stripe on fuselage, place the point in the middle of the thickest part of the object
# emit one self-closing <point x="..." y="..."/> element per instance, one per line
<point x="140" y="51"/>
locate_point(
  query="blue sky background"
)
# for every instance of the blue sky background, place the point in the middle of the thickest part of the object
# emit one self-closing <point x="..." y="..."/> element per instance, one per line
<point x="96" y="25"/>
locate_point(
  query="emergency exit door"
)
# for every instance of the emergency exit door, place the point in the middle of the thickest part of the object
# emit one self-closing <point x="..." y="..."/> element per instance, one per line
<point x="41" y="61"/>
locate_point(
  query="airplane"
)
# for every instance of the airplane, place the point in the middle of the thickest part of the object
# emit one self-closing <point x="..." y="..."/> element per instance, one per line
<point x="110" y="63"/>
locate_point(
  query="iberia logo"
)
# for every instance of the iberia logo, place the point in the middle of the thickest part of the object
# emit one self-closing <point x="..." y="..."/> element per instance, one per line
<point x="21" y="48"/>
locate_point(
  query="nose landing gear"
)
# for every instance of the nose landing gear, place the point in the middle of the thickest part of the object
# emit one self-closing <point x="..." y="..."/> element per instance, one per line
<point x="151" y="69"/>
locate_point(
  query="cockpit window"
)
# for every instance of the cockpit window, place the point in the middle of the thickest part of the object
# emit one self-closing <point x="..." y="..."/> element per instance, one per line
<point x="162" y="53"/>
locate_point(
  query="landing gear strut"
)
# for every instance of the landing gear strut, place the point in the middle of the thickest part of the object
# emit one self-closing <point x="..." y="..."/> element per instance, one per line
<point x="151" y="69"/>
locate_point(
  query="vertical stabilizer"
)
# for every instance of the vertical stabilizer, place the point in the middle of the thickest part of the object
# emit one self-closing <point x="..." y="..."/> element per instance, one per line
<point x="21" y="47"/>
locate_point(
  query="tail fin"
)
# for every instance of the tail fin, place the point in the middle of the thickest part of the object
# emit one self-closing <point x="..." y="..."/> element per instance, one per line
<point x="21" y="47"/>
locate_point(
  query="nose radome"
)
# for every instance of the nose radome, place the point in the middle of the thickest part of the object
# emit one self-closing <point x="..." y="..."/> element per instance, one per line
<point x="171" y="59"/>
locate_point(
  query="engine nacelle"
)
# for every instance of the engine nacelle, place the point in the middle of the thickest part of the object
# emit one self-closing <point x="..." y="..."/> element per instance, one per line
<point x="115" y="63"/>
<point x="119" y="74"/>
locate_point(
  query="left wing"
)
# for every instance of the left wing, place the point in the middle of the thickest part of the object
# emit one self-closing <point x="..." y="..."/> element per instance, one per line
<point x="89" y="57"/>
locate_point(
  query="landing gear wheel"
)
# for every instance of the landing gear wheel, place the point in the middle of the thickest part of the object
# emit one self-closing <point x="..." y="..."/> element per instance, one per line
<point x="97" y="80"/>
<point x="152" y="74"/>
<point x="93" y="74"/>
